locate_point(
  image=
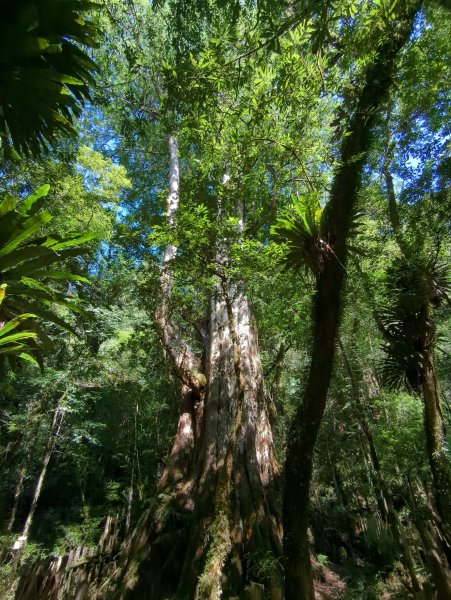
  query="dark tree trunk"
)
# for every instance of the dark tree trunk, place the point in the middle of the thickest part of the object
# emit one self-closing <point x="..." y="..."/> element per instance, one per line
<point x="214" y="521"/>
<point x="304" y="429"/>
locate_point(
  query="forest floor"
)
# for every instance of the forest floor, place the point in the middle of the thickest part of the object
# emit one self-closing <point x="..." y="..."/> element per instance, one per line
<point x="333" y="583"/>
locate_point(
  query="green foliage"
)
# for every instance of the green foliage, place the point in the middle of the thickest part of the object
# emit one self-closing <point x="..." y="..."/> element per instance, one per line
<point x="322" y="559"/>
<point x="259" y="96"/>
<point x="29" y="263"/>
<point x="299" y="229"/>
<point x="45" y="72"/>
<point x="85" y="189"/>
<point x="413" y="290"/>
<point x="73" y="535"/>
<point x="264" y="566"/>
<point x="17" y="343"/>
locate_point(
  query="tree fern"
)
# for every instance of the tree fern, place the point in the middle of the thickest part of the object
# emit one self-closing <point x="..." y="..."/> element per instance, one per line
<point x="410" y="287"/>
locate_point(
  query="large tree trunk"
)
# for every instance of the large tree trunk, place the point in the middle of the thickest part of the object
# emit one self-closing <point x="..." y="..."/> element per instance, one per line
<point x="214" y="524"/>
<point x="305" y="425"/>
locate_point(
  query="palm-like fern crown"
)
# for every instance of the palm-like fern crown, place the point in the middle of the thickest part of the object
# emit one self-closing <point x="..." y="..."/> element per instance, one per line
<point x="411" y="286"/>
<point x="44" y="72"/>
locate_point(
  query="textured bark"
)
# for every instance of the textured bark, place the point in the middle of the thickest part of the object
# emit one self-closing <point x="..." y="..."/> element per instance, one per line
<point x="216" y="503"/>
<point x="304" y="429"/>
<point x="430" y="531"/>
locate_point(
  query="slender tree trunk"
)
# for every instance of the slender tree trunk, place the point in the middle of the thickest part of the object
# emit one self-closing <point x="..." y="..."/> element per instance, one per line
<point x="393" y="213"/>
<point x="433" y="417"/>
<point x="17" y="495"/>
<point x="304" y="429"/>
<point x="215" y="513"/>
<point x="388" y="509"/>
<point x="21" y="442"/>
<point x="134" y="460"/>
<point x="128" y="517"/>
<point x="275" y="385"/>
<point x="433" y="421"/>
<point x="51" y="441"/>
<point x="336" y="480"/>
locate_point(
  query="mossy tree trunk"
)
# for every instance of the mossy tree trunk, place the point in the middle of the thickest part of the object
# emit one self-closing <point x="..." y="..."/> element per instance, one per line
<point x="340" y="209"/>
<point x="214" y="523"/>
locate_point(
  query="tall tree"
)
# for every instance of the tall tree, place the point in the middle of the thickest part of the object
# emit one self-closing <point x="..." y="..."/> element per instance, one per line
<point x="338" y="218"/>
<point x="221" y="476"/>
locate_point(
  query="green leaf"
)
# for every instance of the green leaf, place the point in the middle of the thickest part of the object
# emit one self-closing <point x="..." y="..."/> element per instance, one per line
<point x="46" y="315"/>
<point x="13" y="323"/>
<point x="76" y="241"/>
<point x="29" y="358"/>
<point x="21" y="335"/>
<point x="2" y="292"/>
<point x="73" y="307"/>
<point x="30" y="226"/>
<point x="66" y="276"/>
<point x="12" y="349"/>
<point x="7" y="205"/>
<point x="37" y="195"/>
<point x="35" y="266"/>
<point x="20" y="255"/>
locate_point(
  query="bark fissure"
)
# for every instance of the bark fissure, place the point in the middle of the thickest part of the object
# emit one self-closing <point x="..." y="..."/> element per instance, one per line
<point x="217" y="499"/>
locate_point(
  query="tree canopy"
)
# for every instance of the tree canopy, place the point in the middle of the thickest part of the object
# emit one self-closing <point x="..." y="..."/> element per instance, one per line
<point x="224" y="261"/>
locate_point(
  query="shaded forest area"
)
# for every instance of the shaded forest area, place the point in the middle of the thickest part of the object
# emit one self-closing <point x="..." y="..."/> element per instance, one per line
<point x="225" y="299"/>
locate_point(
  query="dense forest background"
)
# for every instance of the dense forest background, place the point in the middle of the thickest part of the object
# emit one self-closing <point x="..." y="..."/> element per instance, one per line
<point x="225" y="296"/>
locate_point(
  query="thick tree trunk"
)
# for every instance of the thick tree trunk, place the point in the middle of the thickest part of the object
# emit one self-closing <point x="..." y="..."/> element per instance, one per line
<point x="430" y="531"/>
<point x="237" y="467"/>
<point x="304" y="429"/>
<point x="214" y="526"/>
